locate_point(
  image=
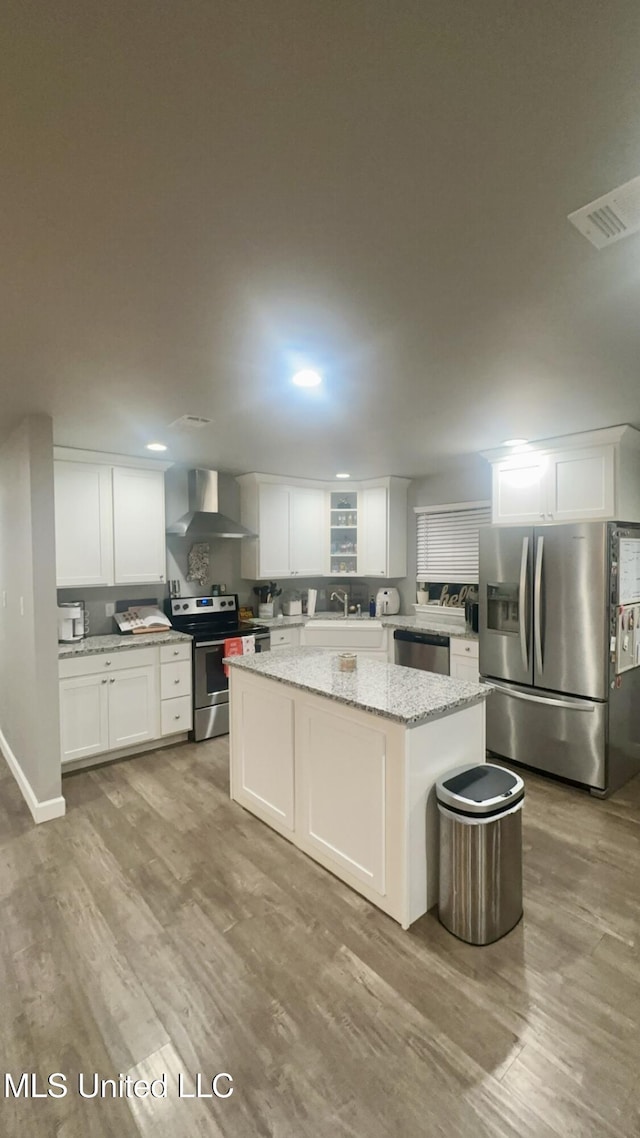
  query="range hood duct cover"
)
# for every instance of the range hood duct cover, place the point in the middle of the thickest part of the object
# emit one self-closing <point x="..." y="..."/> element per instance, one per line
<point x="203" y="518"/>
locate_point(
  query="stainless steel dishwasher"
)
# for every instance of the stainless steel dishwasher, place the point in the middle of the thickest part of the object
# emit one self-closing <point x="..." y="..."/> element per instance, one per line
<point x="424" y="650"/>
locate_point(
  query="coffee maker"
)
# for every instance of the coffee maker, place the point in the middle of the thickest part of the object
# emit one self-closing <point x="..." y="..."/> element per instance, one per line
<point x="70" y="621"/>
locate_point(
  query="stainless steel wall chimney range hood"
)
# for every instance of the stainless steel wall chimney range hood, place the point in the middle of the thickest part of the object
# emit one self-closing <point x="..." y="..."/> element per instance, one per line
<point x="203" y="518"/>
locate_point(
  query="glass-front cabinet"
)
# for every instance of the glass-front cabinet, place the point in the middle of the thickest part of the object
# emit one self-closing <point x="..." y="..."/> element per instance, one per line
<point x="343" y="537"/>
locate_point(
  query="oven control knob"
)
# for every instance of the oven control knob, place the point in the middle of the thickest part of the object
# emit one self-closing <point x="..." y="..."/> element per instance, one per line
<point x="223" y="604"/>
<point x="185" y="607"/>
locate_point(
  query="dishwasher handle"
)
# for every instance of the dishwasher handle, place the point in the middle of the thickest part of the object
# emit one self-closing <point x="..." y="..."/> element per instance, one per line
<point x="413" y="637"/>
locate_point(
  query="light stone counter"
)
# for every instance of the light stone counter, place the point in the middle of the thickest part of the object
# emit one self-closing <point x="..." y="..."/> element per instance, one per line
<point x="96" y="645"/>
<point x="399" y="621"/>
<point x="405" y="695"/>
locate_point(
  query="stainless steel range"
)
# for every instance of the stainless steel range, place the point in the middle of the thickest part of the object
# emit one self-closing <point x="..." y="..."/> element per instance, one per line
<point x="211" y="621"/>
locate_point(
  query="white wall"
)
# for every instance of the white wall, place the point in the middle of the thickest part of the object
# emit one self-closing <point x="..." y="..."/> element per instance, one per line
<point x="29" y="715"/>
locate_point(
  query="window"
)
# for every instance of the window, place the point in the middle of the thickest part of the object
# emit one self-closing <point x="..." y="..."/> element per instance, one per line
<point x="447" y="541"/>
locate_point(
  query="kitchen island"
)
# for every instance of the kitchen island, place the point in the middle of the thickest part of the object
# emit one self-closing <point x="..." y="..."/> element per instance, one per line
<point x="344" y="764"/>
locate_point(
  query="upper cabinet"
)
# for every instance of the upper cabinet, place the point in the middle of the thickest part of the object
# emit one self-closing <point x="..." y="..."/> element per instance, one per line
<point x="109" y="521"/>
<point x="320" y="529"/>
<point x="587" y="477"/>
<point x="290" y="523"/>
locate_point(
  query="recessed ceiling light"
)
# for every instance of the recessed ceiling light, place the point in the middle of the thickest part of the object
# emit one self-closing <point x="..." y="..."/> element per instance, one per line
<point x="306" y="378"/>
<point x="514" y="442"/>
<point x="156" y="446"/>
<point x="343" y="475"/>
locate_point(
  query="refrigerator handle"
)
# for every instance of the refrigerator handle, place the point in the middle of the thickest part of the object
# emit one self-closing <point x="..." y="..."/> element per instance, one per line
<point x="522" y="604"/>
<point x="572" y="705"/>
<point x="537" y="605"/>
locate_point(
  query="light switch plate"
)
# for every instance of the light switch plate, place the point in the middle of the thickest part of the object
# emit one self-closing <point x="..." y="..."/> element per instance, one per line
<point x="109" y="609"/>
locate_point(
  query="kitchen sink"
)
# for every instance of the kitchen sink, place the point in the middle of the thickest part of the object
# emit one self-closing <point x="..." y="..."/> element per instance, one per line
<point x="349" y="632"/>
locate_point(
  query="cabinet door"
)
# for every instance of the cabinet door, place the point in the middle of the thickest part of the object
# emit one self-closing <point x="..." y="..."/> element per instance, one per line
<point x="373" y="533"/>
<point x="262" y="753"/>
<point x="275" y="524"/>
<point x="138" y="525"/>
<point x="83" y="517"/>
<point x="520" y="489"/>
<point x="84" y="721"/>
<point x="134" y="709"/>
<point x="464" y="669"/>
<point x="308" y="531"/>
<point x="582" y="484"/>
<point x="340" y="795"/>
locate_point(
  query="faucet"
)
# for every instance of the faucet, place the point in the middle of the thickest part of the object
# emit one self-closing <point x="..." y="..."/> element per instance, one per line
<point x="344" y="600"/>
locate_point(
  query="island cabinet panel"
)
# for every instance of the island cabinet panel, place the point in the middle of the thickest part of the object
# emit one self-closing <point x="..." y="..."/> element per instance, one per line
<point x="262" y="773"/>
<point x="340" y="794"/>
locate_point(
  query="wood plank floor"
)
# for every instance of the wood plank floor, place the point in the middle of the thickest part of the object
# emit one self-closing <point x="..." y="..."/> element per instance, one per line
<point x="159" y="928"/>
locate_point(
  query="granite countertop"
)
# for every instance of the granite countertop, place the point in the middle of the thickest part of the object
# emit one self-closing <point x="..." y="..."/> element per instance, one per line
<point x="398" y="621"/>
<point x="96" y="645"/>
<point x="406" y="695"/>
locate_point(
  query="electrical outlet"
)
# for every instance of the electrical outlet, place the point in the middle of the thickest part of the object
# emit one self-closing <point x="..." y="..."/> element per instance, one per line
<point x="109" y="609"/>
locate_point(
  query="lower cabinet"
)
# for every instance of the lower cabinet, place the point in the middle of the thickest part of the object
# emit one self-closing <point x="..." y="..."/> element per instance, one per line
<point x="463" y="659"/>
<point x="262" y="770"/>
<point x="340" y="794"/>
<point x="282" y="639"/>
<point x="133" y="707"/>
<point x="115" y="701"/>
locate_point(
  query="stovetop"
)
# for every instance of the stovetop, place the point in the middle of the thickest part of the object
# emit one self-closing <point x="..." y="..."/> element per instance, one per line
<point x="208" y="617"/>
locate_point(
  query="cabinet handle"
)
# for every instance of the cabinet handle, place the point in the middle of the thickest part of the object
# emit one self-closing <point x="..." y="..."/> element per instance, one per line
<point x="176" y="681"/>
<point x="112" y="680"/>
<point x="176" y="652"/>
<point x="176" y="717"/>
<point x="105" y="680"/>
<point x="467" y="649"/>
<point x="107" y="663"/>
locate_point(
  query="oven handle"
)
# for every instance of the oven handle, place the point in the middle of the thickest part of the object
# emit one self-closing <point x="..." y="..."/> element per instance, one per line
<point x="260" y="638"/>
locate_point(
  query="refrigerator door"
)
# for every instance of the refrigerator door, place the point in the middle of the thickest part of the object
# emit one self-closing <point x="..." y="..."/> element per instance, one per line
<point x="570" y="627"/>
<point x="556" y="734"/>
<point x="506" y="574"/>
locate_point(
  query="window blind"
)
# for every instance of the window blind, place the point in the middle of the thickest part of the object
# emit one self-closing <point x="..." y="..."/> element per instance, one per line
<point x="447" y="543"/>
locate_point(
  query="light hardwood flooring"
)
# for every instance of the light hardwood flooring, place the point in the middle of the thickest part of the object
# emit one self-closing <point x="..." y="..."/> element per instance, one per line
<point x="160" y="928"/>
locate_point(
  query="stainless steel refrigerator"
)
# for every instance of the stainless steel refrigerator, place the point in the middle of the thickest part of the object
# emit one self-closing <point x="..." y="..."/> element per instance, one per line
<point x="550" y="645"/>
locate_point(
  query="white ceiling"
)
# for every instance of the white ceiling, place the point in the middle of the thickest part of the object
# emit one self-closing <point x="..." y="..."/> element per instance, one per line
<point x="199" y="195"/>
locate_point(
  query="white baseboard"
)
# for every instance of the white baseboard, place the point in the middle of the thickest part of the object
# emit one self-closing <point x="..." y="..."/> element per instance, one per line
<point x="41" y="811"/>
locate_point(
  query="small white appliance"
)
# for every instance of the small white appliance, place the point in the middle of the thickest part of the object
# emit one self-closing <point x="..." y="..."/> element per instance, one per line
<point x="70" y="622"/>
<point x="387" y="602"/>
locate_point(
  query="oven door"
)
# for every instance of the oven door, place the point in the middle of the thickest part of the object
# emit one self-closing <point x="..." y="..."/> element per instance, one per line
<point x="210" y="686"/>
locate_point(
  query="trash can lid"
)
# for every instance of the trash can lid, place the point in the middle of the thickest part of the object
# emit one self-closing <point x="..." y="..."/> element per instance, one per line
<point x="481" y="789"/>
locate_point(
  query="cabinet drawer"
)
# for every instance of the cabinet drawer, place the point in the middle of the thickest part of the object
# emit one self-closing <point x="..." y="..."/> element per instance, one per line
<point x="106" y="662"/>
<point x="169" y="653"/>
<point x="466" y="649"/>
<point x="285" y="637"/>
<point x="175" y="679"/>
<point x="175" y="715"/>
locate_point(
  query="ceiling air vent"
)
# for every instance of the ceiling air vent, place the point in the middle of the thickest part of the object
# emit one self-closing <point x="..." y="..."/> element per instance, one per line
<point x="610" y="218"/>
<point x="190" y="423"/>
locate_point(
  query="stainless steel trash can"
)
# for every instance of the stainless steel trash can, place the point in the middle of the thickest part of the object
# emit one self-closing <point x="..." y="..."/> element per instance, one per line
<point x="480" y="895"/>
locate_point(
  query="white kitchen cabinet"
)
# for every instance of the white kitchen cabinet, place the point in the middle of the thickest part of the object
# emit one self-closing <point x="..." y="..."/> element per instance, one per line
<point x="299" y="534"/>
<point x="83" y="524"/>
<point x="463" y="660"/>
<point x="139" y="544"/>
<point x="290" y="523"/>
<point x="115" y="701"/>
<point x="84" y="716"/>
<point x="282" y="639"/>
<point x="134" y="713"/>
<point x="109" y="521"/>
<point x="593" y="476"/>
<point x="262" y="777"/>
<point x="520" y="490"/>
<point x="340" y="793"/>
<point x="373" y="537"/>
<point x="581" y="484"/>
<point x="308" y="547"/>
